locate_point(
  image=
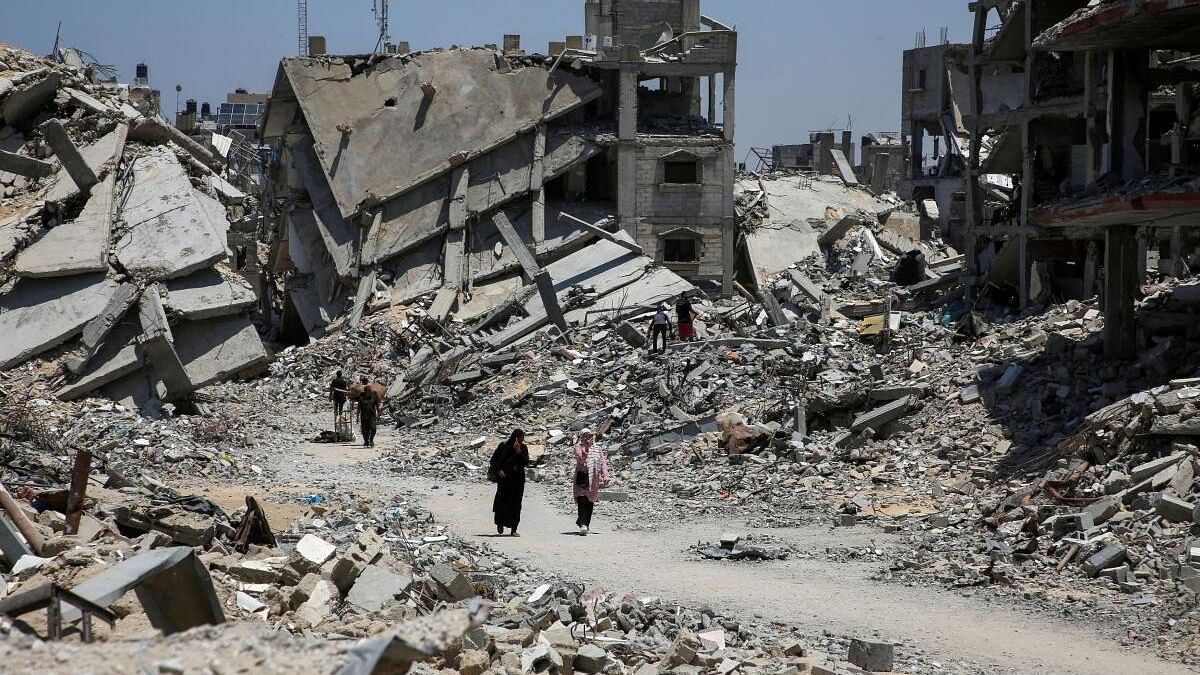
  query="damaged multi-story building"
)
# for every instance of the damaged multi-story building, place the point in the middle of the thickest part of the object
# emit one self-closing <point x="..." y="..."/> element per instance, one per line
<point x="466" y="173"/>
<point x="1070" y="138"/>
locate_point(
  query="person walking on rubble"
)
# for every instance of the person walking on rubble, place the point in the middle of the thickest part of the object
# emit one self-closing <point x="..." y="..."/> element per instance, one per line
<point x="368" y="412"/>
<point x="507" y="471"/>
<point x="660" y="326"/>
<point x="591" y="474"/>
<point x="686" y="315"/>
<point x="337" y="393"/>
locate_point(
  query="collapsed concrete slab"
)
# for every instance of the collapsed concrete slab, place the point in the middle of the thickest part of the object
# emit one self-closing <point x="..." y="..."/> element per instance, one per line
<point x="171" y="583"/>
<point x="171" y="232"/>
<point x="114" y="361"/>
<point x="208" y="294"/>
<point x="218" y="349"/>
<point x="38" y="314"/>
<point x="23" y="103"/>
<point x="78" y="247"/>
<point x="363" y="118"/>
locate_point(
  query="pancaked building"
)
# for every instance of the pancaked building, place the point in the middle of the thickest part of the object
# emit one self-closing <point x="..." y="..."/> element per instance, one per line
<point x="1060" y="146"/>
<point x="605" y="167"/>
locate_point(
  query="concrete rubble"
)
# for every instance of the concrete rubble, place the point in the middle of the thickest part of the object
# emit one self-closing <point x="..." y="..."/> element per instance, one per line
<point x="169" y="339"/>
<point x="110" y="217"/>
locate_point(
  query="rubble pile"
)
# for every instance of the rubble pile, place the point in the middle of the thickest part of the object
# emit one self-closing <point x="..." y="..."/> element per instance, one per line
<point x="119" y="276"/>
<point x="381" y="571"/>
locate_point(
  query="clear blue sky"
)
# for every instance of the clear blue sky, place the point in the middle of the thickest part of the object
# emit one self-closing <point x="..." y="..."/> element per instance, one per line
<point x="804" y="64"/>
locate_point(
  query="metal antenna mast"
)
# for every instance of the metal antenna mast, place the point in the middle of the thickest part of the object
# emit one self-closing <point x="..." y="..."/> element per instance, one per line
<point x="381" y="17"/>
<point x="302" y="20"/>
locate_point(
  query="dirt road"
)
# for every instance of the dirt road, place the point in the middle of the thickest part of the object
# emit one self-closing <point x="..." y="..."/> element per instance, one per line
<point x="817" y="595"/>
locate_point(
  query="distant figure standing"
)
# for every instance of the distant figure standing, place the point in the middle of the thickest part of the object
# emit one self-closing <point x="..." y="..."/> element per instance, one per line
<point x="660" y="326"/>
<point x="686" y="315"/>
<point x="368" y="412"/>
<point x="507" y="471"/>
<point x="337" y="394"/>
<point x="591" y="474"/>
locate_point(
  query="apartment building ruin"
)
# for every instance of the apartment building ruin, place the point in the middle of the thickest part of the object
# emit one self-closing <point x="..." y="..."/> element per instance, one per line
<point x="469" y="172"/>
<point x="1065" y="150"/>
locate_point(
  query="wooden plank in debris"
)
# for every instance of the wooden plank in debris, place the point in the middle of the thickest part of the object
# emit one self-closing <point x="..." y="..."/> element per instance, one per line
<point x="79" y="480"/>
<point x="21" y="521"/>
<point x="878" y="417"/>
<point x="604" y="234"/>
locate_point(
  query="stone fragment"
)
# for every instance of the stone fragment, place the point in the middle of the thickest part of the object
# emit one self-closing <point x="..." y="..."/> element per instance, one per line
<point x="1174" y="509"/>
<point x="1109" y="556"/>
<point x="590" y="659"/>
<point x="376" y="588"/>
<point x="451" y="583"/>
<point x="875" y="657"/>
<point x="315" y="550"/>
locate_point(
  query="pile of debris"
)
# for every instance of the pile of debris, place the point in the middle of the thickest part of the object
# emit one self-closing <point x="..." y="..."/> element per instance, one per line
<point x="115" y="233"/>
<point x="380" y="571"/>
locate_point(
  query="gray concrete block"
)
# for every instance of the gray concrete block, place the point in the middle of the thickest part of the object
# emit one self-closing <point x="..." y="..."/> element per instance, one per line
<point x="376" y="587"/>
<point x="38" y="314"/>
<point x="64" y="148"/>
<point x="1109" y="556"/>
<point x="208" y="294"/>
<point x="590" y="659"/>
<point x="452" y="582"/>
<point x="25" y="102"/>
<point x="1175" y="510"/>
<point x="218" y="349"/>
<point x="876" y="657"/>
<point x="152" y="315"/>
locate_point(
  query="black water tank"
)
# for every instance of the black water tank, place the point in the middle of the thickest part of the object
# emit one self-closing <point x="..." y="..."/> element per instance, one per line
<point x="205" y="110"/>
<point x="191" y="106"/>
<point x="143" y="71"/>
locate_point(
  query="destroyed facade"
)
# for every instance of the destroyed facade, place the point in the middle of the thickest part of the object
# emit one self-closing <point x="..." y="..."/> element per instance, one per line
<point x="467" y="173"/>
<point x="1070" y="147"/>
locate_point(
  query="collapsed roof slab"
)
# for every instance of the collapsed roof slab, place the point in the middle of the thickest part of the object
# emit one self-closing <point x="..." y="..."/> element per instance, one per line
<point x="497" y="178"/>
<point x="340" y="236"/>
<point x="39" y="314"/>
<point x="172" y="232"/>
<point x="77" y="247"/>
<point x="218" y="349"/>
<point x="208" y="294"/>
<point x="1159" y="208"/>
<point x="434" y="110"/>
<point x="1127" y="24"/>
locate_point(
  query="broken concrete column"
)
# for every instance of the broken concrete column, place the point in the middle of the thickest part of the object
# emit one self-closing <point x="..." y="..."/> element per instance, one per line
<point x="161" y="354"/>
<point x="1120" y="287"/>
<point x="24" y="166"/>
<point x="99" y="328"/>
<point x="76" y="166"/>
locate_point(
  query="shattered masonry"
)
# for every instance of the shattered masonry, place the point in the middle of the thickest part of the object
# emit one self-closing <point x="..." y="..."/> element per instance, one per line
<point x="397" y="166"/>
<point x="1064" y="147"/>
